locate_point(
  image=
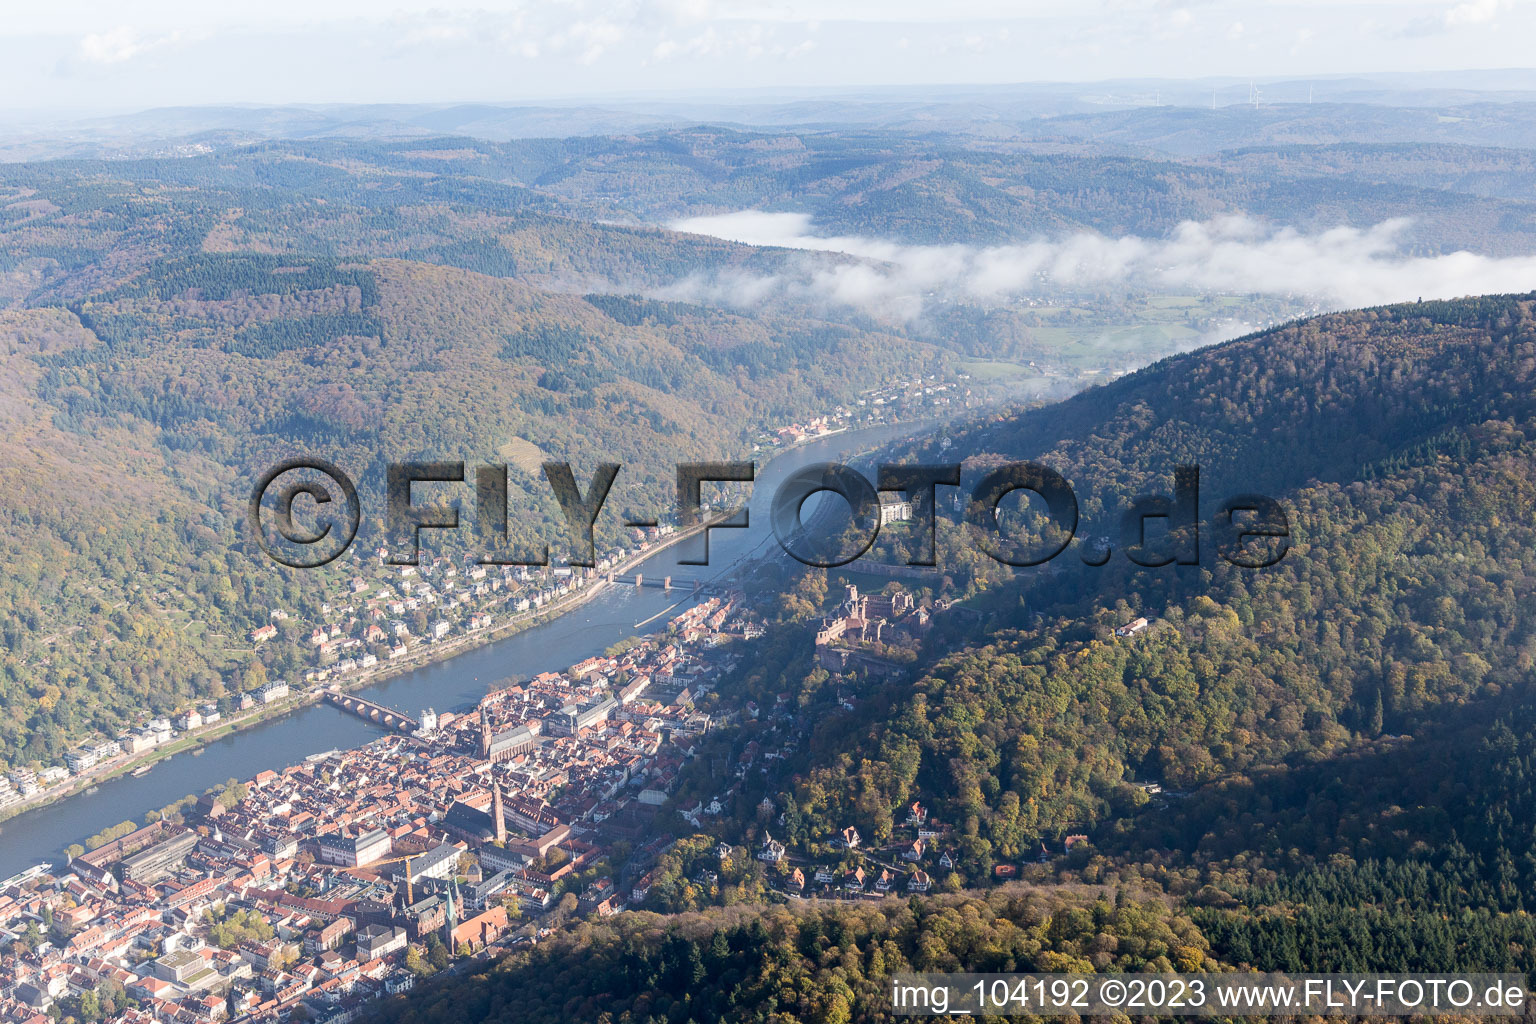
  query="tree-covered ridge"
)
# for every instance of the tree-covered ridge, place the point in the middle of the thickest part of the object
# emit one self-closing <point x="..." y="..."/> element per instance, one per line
<point x="1372" y="622"/>
<point x="1406" y="594"/>
<point x="1405" y="852"/>
<point x="78" y="229"/>
<point x="207" y="278"/>
<point x="1494" y="171"/>
<point x="492" y="207"/>
<point x="940" y="187"/>
<point x="214" y="366"/>
<point x="89" y="517"/>
<point x="1194" y="131"/>
<point x="262" y="356"/>
<point x="1334" y="398"/>
<point x="826" y="964"/>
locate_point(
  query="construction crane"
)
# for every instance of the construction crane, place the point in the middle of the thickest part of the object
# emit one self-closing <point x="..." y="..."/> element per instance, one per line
<point x="410" y="895"/>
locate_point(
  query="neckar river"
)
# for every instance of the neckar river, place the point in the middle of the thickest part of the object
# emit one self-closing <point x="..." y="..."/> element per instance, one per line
<point x="42" y="833"/>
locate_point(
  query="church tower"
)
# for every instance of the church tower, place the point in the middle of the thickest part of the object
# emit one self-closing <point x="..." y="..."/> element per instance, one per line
<point x="485" y="732"/>
<point x="498" y="815"/>
<point x="452" y="921"/>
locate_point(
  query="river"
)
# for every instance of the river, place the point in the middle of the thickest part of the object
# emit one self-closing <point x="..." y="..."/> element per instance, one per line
<point x="41" y="834"/>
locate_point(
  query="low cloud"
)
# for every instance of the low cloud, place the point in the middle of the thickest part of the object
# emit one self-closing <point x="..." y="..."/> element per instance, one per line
<point x="1467" y="14"/>
<point x="1338" y="268"/>
<point x="121" y="44"/>
<point x="1475" y="12"/>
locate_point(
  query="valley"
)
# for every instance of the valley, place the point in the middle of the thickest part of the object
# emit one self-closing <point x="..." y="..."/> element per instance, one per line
<point x="647" y="790"/>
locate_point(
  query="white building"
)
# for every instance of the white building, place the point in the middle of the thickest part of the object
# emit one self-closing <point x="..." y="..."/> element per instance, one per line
<point x="894" y="511"/>
<point x="273" y="691"/>
<point x="353" y="851"/>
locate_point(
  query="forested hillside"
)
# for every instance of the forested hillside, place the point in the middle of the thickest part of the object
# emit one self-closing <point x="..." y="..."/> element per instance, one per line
<point x="1349" y="725"/>
<point x="948" y="189"/>
<point x="213" y="367"/>
<point x="1493" y="171"/>
<point x="545" y="207"/>
<point x="1322" y="765"/>
<point x="788" y="965"/>
<point x="1400" y="439"/>
<point x="174" y="327"/>
<point x="1194" y="130"/>
<point x="75" y="229"/>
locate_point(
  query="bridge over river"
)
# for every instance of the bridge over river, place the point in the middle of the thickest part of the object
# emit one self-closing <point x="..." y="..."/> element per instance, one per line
<point x="371" y="711"/>
<point x="586" y="629"/>
<point x="638" y="579"/>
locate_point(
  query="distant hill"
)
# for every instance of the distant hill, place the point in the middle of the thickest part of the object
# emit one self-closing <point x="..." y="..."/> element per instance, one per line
<point x="932" y="188"/>
<point x="1491" y="171"/>
<point x="1094" y="173"/>
<point x="1328" y="399"/>
<point x="1188" y="131"/>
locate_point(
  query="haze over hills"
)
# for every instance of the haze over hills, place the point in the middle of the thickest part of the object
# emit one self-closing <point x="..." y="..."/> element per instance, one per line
<point x="789" y="104"/>
<point x="1179" y="116"/>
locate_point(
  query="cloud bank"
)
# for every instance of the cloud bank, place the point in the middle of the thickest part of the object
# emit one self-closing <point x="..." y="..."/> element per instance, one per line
<point x="1339" y="268"/>
<point x="121" y="44"/>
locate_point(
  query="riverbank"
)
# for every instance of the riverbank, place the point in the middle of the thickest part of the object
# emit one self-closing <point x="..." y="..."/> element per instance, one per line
<point x="580" y="626"/>
<point x="423" y="656"/>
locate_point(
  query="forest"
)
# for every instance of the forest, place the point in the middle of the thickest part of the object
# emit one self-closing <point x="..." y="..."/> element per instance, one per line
<point x="1307" y="757"/>
<point x="1323" y="765"/>
<point x="827" y="964"/>
<point x="158" y="364"/>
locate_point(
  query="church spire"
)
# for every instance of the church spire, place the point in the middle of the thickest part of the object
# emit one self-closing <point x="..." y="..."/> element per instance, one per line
<point x="453" y="914"/>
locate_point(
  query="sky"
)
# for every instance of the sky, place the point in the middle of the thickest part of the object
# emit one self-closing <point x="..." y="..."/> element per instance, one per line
<point x="104" y="56"/>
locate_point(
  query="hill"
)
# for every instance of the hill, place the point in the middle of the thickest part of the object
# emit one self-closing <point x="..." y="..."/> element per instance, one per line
<point x="1324" y="765"/>
<point x="497" y="207"/>
<point x="937" y="188"/>
<point x="1400" y="437"/>
<point x="781" y="965"/>
<point x="1349" y="688"/>
<point x="143" y="412"/>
